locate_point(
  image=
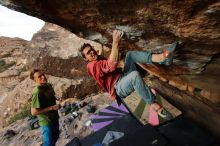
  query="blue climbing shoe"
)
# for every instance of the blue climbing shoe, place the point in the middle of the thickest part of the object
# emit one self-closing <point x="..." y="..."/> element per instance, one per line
<point x="169" y="53"/>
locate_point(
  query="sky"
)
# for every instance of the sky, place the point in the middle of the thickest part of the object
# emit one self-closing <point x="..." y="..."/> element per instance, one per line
<point x="16" y="24"/>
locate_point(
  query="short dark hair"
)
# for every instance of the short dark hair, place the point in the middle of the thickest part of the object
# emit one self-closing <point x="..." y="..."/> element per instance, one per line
<point x="33" y="72"/>
<point x="82" y="48"/>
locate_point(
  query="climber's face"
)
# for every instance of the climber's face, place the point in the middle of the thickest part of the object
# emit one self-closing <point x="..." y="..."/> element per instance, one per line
<point x="40" y="78"/>
<point x="90" y="54"/>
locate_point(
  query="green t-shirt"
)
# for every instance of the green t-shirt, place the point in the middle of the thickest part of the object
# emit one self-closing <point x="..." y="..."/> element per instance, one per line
<point x="44" y="96"/>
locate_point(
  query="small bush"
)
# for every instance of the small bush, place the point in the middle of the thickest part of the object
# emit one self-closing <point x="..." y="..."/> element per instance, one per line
<point x="24" y="112"/>
<point x="4" y="66"/>
<point x="2" y="63"/>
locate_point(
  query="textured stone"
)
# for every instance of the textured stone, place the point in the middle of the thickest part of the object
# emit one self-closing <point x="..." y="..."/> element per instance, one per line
<point x="190" y="88"/>
<point x="179" y="85"/>
<point x="9" y="73"/>
<point x="196" y="22"/>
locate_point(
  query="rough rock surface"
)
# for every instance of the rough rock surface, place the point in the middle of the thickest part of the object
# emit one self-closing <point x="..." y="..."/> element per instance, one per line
<point x="55" y="50"/>
<point x="12" y="64"/>
<point x="196" y="22"/>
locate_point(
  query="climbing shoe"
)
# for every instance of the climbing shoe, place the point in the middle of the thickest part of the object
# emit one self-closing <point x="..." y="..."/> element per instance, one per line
<point x="168" y="54"/>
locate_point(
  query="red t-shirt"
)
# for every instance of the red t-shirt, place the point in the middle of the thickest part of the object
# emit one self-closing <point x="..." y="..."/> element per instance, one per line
<point x="105" y="73"/>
